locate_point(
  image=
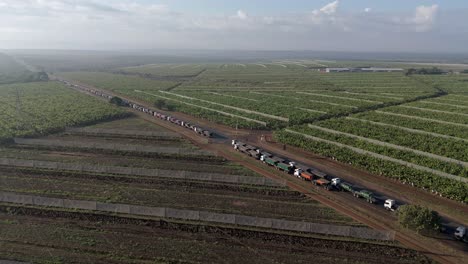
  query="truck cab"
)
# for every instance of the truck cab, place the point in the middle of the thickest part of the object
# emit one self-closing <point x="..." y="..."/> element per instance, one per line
<point x="335" y="183"/>
<point x="390" y="205"/>
<point x="461" y="234"/>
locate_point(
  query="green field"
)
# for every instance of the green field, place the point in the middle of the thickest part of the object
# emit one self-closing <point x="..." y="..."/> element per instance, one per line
<point x="46" y="107"/>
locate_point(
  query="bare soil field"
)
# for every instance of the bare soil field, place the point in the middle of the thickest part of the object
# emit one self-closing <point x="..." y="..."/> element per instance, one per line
<point x="58" y="237"/>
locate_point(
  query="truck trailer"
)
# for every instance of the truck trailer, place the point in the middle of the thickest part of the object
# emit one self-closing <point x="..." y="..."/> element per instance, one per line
<point x="367" y="195"/>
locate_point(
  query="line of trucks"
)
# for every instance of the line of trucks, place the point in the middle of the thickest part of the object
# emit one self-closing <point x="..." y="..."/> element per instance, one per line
<point x="127" y="103"/>
<point x="319" y="178"/>
<point x="316" y="177"/>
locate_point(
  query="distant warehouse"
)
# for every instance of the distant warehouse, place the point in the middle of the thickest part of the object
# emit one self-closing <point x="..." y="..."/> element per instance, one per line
<point x="337" y="70"/>
<point x="371" y="69"/>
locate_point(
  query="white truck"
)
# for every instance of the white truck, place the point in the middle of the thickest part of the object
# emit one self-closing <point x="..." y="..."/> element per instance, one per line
<point x="461" y="234"/>
<point x="390" y="205"/>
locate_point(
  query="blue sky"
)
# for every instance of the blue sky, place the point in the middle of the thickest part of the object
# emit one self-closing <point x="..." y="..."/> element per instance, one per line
<point x="322" y="25"/>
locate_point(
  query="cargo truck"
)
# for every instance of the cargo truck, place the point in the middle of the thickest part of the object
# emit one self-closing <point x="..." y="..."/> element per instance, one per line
<point x="323" y="183"/>
<point x="286" y="167"/>
<point x="270" y="161"/>
<point x="264" y="155"/>
<point x="367" y="195"/>
<point x="344" y="186"/>
<point x="303" y="174"/>
<point x="254" y="153"/>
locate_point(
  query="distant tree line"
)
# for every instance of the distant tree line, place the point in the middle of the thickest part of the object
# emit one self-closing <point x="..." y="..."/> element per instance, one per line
<point x="424" y="71"/>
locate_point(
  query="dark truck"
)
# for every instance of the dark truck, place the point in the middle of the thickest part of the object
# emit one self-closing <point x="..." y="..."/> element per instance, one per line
<point x="367" y="195"/>
<point x="347" y="187"/>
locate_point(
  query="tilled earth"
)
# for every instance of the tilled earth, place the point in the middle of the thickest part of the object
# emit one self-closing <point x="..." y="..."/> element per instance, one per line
<point x="65" y="237"/>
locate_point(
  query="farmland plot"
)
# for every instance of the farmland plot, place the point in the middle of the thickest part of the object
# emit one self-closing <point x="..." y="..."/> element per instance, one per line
<point x="46" y="107"/>
<point x="97" y="239"/>
<point x="433" y="141"/>
<point x="457" y="84"/>
<point x="167" y="70"/>
<point x="116" y="82"/>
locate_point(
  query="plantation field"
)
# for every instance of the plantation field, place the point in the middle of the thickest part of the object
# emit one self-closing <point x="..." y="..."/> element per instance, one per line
<point x="168" y="70"/>
<point x="48" y="107"/>
<point x="420" y="133"/>
<point x="264" y="95"/>
<point x="118" y="83"/>
<point x="450" y="83"/>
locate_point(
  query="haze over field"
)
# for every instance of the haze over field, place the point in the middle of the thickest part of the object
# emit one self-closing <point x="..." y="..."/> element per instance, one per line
<point x="363" y="25"/>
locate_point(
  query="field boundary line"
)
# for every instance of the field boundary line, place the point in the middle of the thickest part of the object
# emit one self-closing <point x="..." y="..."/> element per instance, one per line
<point x="123" y="132"/>
<point x="376" y="155"/>
<point x="433" y="110"/>
<point x="417" y="131"/>
<point x="206" y="108"/>
<point x="390" y="145"/>
<point x="341" y="97"/>
<point x="422" y="118"/>
<point x="233" y="96"/>
<point x="374" y="95"/>
<point x="452" y="105"/>
<point x="204" y="216"/>
<point x="285" y="119"/>
<point x="295" y="98"/>
<point x="161" y="173"/>
<point x="110" y="146"/>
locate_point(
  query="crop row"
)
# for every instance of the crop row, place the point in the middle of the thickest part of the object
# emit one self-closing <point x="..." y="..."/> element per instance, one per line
<point x="117" y="82"/>
<point x="405" y="155"/>
<point x="432" y="126"/>
<point x="447" y="187"/>
<point x="445" y="147"/>
<point x="205" y="110"/>
<point x="448" y="83"/>
<point x="457" y="119"/>
<point x="140" y="194"/>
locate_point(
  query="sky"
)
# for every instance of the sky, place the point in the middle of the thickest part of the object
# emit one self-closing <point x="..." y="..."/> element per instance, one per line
<point x="320" y="25"/>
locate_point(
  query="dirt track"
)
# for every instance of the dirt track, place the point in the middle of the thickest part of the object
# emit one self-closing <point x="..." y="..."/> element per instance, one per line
<point x="440" y="250"/>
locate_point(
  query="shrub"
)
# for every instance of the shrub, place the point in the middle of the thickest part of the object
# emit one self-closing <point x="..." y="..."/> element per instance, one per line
<point x="419" y="218"/>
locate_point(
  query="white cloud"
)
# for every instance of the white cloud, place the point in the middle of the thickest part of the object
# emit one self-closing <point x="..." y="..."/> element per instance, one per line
<point x="94" y="24"/>
<point x="330" y="8"/>
<point x="325" y="14"/>
<point x="242" y="15"/>
<point x="367" y="9"/>
<point x="424" y="17"/>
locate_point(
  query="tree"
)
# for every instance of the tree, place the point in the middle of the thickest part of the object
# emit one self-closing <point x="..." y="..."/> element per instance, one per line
<point x="117" y="101"/>
<point x="419" y="218"/>
<point x="170" y="107"/>
<point x="410" y="72"/>
<point x="160" y="103"/>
